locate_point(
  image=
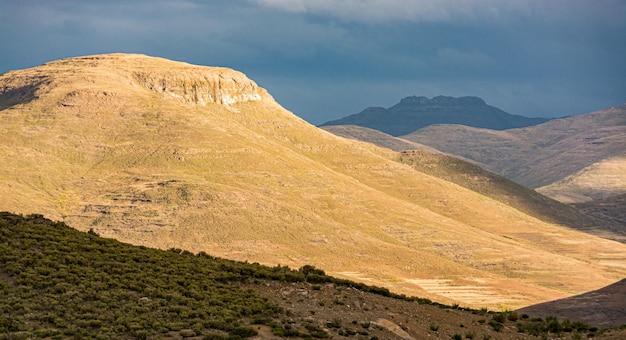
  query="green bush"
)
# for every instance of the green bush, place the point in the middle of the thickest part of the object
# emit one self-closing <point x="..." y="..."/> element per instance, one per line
<point x="496" y="325"/>
<point x="244" y="332"/>
<point x="499" y="317"/>
<point x="336" y="323"/>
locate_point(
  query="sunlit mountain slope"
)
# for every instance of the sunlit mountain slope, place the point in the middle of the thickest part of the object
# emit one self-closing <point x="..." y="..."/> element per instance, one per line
<point x="167" y="154"/>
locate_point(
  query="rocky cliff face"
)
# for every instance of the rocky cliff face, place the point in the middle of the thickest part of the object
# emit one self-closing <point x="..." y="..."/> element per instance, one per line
<point x="219" y="86"/>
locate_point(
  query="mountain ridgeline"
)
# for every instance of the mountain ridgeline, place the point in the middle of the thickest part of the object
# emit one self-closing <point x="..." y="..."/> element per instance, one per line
<point x="414" y="113"/>
<point x="166" y="154"/>
<point x="575" y="159"/>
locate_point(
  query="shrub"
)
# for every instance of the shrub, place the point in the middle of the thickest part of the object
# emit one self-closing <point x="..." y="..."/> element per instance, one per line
<point x="244" y="332"/>
<point x="308" y="270"/>
<point x="553" y="324"/>
<point x="495" y="325"/>
<point x="336" y="323"/>
<point x="215" y="336"/>
<point x="499" y="317"/>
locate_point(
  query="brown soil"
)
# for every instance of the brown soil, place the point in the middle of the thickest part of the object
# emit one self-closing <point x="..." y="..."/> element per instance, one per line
<point x="342" y="311"/>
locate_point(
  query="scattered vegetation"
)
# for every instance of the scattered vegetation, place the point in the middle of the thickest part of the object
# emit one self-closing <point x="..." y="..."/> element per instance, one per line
<point x="57" y="282"/>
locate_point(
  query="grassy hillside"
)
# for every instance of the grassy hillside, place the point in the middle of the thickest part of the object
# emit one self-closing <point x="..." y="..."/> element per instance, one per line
<point x="171" y="155"/>
<point x="468" y="175"/>
<point x="538" y="155"/>
<point x="611" y="208"/>
<point x="600" y="180"/>
<point x="606" y="303"/>
<point x="59" y="283"/>
<point x="373" y="136"/>
<point x="504" y="190"/>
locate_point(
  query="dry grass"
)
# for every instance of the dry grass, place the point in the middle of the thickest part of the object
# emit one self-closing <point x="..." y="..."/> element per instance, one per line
<point x="250" y="181"/>
<point x="600" y="180"/>
<point x="539" y="155"/>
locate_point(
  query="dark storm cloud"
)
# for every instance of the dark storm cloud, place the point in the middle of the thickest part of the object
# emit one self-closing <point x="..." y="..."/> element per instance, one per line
<point x="323" y="59"/>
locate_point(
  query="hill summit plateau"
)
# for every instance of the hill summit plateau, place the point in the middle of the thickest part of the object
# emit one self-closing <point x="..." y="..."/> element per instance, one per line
<point x="171" y="155"/>
<point x="414" y="113"/>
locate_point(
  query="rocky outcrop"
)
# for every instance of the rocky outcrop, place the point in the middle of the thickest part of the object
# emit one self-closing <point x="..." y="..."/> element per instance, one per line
<point x="214" y="85"/>
<point x="189" y="83"/>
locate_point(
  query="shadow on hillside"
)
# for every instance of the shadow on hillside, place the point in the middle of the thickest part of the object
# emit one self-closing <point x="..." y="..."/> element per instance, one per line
<point x="10" y="97"/>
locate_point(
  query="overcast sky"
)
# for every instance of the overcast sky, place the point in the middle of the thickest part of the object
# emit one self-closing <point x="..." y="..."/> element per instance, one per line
<point x="325" y="59"/>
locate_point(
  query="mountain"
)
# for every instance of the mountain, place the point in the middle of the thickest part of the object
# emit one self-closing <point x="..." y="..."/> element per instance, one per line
<point x="57" y="282"/>
<point x="578" y="158"/>
<point x="414" y="113"/>
<point x="171" y="155"/>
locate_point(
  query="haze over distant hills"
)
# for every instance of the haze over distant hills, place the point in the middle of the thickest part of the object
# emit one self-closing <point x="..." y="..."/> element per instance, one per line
<point x="167" y="154"/>
<point x="575" y="159"/>
<point x="413" y="113"/>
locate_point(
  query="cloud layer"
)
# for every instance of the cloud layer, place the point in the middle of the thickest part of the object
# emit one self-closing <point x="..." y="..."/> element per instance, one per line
<point x="324" y="59"/>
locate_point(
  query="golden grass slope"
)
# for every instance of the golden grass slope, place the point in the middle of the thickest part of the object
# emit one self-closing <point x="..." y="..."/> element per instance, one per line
<point x="600" y="180"/>
<point x="468" y="175"/>
<point x="374" y="136"/>
<point x="167" y="154"/>
<point x="540" y="155"/>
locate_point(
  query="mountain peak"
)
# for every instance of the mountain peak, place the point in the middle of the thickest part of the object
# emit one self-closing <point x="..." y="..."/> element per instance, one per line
<point x="442" y="100"/>
<point x="414" y="113"/>
<point x="186" y="82"/>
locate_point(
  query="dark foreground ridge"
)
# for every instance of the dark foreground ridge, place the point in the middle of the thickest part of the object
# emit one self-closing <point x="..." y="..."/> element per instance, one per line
<point x="608" y="306"/>
<point x="57" y="282"/>
<point x="414" y="113"/>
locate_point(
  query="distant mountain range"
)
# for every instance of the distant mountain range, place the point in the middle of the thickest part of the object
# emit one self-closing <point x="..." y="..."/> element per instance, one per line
<point x="573" y="159"/>
<point x="414" y="113"/>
